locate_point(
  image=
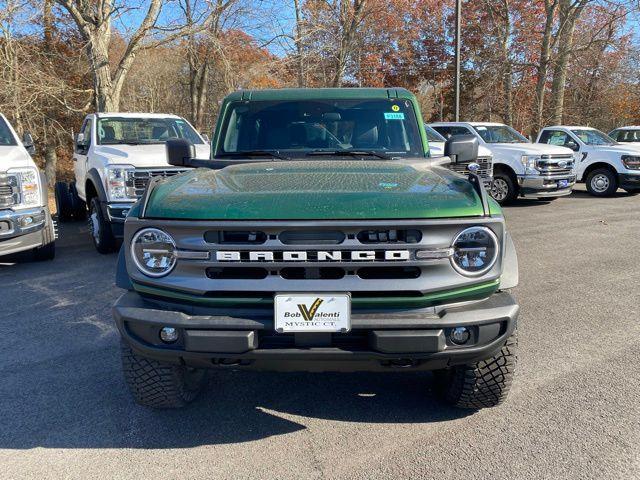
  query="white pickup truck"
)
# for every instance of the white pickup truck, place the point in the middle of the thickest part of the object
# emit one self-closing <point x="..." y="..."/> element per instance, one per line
<point x="25" y="220"/>
<point x="628" y="135"/>
<point x="602" y="163"/>
<point x="115" y="156"/>
<point x="520" y="168"/>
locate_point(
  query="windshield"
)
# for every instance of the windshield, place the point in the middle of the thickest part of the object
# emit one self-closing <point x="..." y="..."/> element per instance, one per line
<point x="298" y="128"/>
<point x="6" y="137"/>
<point x="144" y="131"/>
<point x="433" y="136"/>
<point x="593" y="137"/>
<point x="626" y="136"/>
<point x="499" y="134"/>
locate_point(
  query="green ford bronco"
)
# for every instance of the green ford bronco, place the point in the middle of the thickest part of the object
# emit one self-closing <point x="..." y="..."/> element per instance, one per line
<point x="320" y="236"/>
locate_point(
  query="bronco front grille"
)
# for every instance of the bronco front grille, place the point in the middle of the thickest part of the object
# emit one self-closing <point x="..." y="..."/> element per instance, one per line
<point x="9" y="191"/>
<point x="485" y="172"/>
<point x="139" y="179"/>
<point x="318" y="256"/>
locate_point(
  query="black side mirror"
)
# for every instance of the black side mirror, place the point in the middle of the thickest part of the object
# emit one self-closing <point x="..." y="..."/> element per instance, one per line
<point x="462" y="148"/>
<point x="27" y="141"/>
<point x="572" y="145"/>
<point x="180" y="152"/>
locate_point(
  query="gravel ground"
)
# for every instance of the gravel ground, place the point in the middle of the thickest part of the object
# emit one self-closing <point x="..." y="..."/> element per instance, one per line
<point x="573" y="411"/>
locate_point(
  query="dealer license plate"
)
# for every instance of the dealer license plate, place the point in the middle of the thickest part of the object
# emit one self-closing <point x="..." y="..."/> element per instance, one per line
<point x="302" y="312"/>
<point x="563" y="183"/>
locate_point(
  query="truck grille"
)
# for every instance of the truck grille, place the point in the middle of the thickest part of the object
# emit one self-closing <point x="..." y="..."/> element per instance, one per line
<point x="139" y="179"/>
<point x="485" y="172"/>
<point x="9" y="191"/>
<point x="556" y="165"/>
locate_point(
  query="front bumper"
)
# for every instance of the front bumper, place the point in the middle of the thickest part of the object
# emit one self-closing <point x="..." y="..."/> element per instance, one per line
<point x="26" y="229"/>
<point x="379" y="340"/>
<point x="545" y="186"/>
<point x="629" y="181"/>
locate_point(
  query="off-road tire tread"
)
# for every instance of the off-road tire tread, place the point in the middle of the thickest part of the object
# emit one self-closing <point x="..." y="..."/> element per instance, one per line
<point x="155" y="384"/>
<point x="485" y="383"/>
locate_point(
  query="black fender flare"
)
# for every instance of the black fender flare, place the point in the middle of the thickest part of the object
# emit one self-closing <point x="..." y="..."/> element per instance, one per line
<point x="94" y="177"/>
<point x="122" y="277"/>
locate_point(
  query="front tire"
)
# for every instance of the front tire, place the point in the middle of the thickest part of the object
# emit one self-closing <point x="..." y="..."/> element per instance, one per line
<point x="602" y="183"/>
<point x="160" y="385"/>
<point x="483" y="384"/>
<point x="99" y="228"/>
<point x="503" y="189"/>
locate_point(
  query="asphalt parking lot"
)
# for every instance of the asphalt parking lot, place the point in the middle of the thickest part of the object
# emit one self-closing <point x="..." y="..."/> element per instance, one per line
<point x="573" y="411"/>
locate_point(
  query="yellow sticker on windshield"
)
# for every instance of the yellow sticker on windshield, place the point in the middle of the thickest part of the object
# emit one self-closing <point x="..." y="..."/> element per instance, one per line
<point x="395" y="108"/>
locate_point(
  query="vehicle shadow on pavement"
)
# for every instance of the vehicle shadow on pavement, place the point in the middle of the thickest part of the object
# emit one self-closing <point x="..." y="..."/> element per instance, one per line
<point x="82" y="402"/>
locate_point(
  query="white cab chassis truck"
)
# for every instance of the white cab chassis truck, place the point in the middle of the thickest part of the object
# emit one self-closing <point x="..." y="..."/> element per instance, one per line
<point x="25" y="220"/>
<point x="115" y="156"/>
<point x="603" y="164"/>
<point x="520" y="168"/>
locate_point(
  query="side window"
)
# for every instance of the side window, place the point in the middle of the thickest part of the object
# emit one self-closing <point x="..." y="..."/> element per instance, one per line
<point x="617" y="135"/>
<point x="86" y="131"/>
<point x="448" y="132"/>
<point x="556" y="137"/>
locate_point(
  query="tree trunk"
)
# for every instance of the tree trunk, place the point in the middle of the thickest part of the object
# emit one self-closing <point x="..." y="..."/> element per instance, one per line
<point x="570" y="10"/>
<point x="106" y="99"/>
<point x="299" y="45"/>
<point x="349" y="21"/>
<point x="543" y="66"/>
<point x="507" y="73"/>
<point x="50" y="160"/>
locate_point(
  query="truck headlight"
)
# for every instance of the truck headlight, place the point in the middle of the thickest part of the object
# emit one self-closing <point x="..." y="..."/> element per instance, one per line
<point x="154" y="252"/>
<point x="119" y="186"/>
<point x="530" y="163"/>
<point x="475" y="251"/>
<point x="29" y="184"/>
<point x="631" y="162"/>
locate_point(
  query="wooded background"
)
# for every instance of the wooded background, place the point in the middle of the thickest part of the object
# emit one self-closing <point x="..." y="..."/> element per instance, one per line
<point x="528" y="63"/>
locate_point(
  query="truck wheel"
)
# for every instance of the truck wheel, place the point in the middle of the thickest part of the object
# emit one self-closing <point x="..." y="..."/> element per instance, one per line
<point x="602" y="183"/>
<point x="99" y="228"/>
<point x="482" y="384"/>
<point x="64" y="203"/>
<point x="46" y="252"/>
<point x="78" y="205"/>
<point x="503" y="189"/>
<point x="160" y="385"/>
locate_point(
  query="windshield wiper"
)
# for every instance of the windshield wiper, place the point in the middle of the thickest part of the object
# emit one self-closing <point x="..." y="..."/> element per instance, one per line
<point x="349" y="153"/>
<point x="256" y="153"/>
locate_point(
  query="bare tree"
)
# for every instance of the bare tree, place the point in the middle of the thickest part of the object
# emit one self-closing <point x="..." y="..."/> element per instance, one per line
<point x="351" y="13"/>
<point x="542" y="69"/>
<point x="569" y="11"/>
<point x="94" y="22"/>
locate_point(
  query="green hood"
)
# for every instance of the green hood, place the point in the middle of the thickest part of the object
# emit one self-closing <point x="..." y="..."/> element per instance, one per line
<point x="316" y="190"/>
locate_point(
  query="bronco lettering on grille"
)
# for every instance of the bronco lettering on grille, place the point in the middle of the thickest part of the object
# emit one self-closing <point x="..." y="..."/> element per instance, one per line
<point x="319" y="256"/>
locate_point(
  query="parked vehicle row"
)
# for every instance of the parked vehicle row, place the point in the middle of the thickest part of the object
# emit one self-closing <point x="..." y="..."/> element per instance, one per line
<point x="560" y="157"/>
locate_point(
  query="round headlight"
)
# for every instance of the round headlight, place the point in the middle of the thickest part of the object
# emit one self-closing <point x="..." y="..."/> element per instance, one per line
<point x="475" y="251"/>
<point x="154" y="252"/>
